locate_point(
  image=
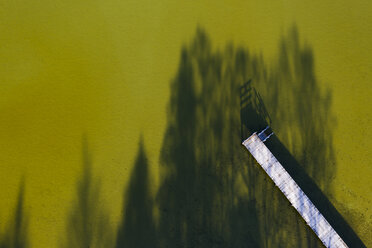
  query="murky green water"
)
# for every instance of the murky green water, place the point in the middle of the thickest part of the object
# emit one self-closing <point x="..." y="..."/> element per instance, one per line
<point x="103" y="70"/>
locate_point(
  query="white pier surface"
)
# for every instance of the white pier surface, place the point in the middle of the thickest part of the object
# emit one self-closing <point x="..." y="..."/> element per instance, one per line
<point x="293" y="192"/>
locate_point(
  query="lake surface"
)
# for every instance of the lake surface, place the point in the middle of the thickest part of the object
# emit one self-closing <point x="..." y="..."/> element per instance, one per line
<point x="102" y="70"/>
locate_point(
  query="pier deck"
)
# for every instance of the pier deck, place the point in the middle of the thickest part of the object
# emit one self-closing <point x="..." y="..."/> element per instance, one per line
<point x="292" y="191"/>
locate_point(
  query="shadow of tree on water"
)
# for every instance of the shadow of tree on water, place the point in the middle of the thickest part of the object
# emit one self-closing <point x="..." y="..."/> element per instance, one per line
<point x="88" y="223"/>
<point x="137" y="229"/>
<point x="212" y="193"/>
<point x="16" y="233"/>
<point x="198" y="203"/>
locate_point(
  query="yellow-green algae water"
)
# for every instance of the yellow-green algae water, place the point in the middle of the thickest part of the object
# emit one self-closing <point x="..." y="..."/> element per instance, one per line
<point x="101" y="69"/>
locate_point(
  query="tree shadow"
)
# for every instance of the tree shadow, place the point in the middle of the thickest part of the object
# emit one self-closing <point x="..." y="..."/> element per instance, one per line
<point x="201" y="158"/>
<point x="212" y="193"/>
<point x="88" y="223"/>
<point x="137" y="229"/>
<point x="16" y="234"/>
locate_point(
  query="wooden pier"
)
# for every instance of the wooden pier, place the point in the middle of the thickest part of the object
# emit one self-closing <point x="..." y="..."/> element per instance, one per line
<point x="282" y="179"/>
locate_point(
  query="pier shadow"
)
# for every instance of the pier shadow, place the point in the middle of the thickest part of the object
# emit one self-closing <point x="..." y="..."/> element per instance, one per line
<point x="314" y="193"/>
<point x="16" y="233"/>
<point x="88" y="222"/>
<point x="254" y="118"/>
